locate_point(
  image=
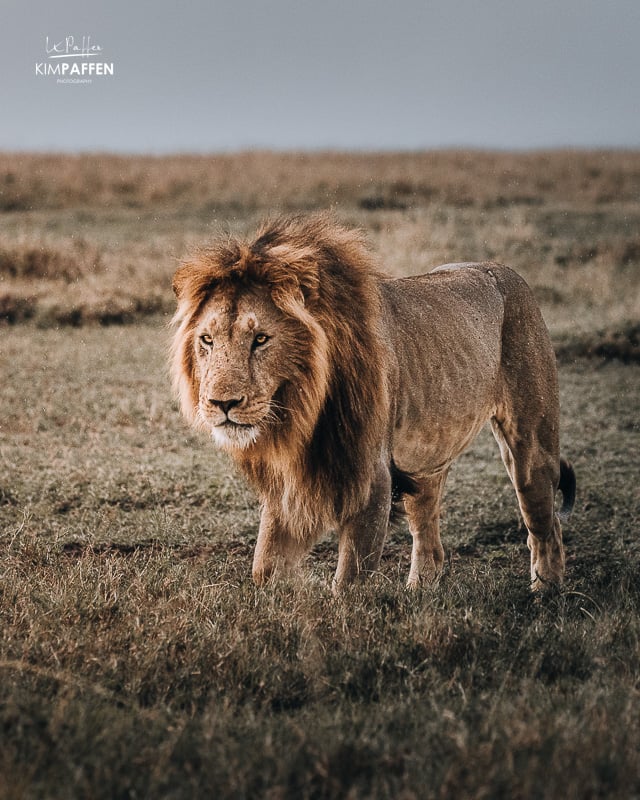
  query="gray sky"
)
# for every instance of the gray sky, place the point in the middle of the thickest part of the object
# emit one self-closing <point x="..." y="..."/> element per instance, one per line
<point x="394" y="74"/>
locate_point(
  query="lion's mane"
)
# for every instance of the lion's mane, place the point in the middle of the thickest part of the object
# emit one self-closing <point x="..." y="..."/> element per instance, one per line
<point x="317" y="463"/>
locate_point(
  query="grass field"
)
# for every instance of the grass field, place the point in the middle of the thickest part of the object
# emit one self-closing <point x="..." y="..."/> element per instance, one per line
<point x="136" y="657"/>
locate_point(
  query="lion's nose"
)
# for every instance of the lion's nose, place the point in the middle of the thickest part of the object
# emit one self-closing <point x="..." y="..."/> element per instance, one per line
<point x="226" y="405"/>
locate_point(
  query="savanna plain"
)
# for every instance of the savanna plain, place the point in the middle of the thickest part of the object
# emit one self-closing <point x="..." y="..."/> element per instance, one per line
<point x="137" y="659"/>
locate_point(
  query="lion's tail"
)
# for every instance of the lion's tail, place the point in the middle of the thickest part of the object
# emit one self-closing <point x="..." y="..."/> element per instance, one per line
<point x="401" y="483"/>
<point x="567" y="485"/>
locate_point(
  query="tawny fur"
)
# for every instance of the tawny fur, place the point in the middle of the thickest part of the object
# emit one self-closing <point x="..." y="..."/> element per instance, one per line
<point x="335" y="388"/>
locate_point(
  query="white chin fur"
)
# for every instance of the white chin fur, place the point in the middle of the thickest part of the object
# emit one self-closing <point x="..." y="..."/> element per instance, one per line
<point x="234" y="438"/>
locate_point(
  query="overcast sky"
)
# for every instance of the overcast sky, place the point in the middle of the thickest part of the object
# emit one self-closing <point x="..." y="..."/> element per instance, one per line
<point x="307" y="74"/>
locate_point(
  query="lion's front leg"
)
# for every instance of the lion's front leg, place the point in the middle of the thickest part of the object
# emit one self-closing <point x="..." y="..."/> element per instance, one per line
<point x="362" y="537"/>
<point x="277" y="551"/>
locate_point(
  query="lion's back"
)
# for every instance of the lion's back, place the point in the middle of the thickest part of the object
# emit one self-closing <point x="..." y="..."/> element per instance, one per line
<point x="451" y="306"/>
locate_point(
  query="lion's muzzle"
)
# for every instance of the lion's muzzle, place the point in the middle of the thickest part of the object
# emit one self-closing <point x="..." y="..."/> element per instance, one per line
<point x="226" y="405"/>
<point x="218" y="412"/>
<point x="231" y="421"/>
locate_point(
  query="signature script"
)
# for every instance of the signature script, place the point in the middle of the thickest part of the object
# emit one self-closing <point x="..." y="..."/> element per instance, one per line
<point x="69" y="47"/>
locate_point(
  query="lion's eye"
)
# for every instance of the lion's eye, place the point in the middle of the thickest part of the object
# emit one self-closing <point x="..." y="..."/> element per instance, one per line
<point x="206" y="340"/>
<point x="259" y="339"/>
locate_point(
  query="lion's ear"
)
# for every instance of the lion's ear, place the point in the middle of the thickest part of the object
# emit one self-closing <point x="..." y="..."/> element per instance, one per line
<point x="296" y="268"/>
<point x="289" y="298"/>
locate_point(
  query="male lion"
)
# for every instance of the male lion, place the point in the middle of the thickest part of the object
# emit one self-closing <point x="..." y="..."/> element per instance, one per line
<point x="339" y="391"/>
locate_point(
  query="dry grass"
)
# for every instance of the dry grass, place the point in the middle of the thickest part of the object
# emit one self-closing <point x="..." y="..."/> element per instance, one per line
<point x="264" y="180"/>
<point x="136" y="657"/>
<point x="165" y="676"/>
<point x="96" y="239"/>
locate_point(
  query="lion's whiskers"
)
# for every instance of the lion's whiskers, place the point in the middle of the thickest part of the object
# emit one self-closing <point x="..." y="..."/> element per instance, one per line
<point x="279" y="406"/>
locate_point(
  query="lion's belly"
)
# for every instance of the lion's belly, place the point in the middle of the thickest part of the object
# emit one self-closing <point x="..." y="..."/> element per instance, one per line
<point x="437" y="440"/>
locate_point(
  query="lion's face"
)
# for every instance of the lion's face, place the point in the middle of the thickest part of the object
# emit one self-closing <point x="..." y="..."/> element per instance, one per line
<point x="244" y="358"/>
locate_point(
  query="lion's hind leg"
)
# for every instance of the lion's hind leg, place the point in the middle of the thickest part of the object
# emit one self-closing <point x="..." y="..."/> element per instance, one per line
<point x="533" y="466"/>
<point x="423" y="511"/>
